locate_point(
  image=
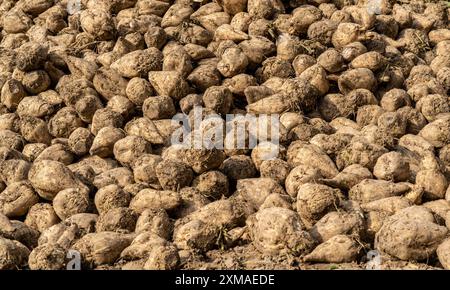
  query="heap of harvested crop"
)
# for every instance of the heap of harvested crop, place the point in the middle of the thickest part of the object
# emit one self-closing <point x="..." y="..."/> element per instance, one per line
<point x="91" y="160"/>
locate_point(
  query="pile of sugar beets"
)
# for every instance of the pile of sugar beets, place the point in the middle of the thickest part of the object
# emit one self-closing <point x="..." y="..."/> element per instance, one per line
<point x="362" y="163"/>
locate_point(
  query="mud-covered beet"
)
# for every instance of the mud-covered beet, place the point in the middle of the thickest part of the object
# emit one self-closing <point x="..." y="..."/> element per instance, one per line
<point x="224" y="134"/>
